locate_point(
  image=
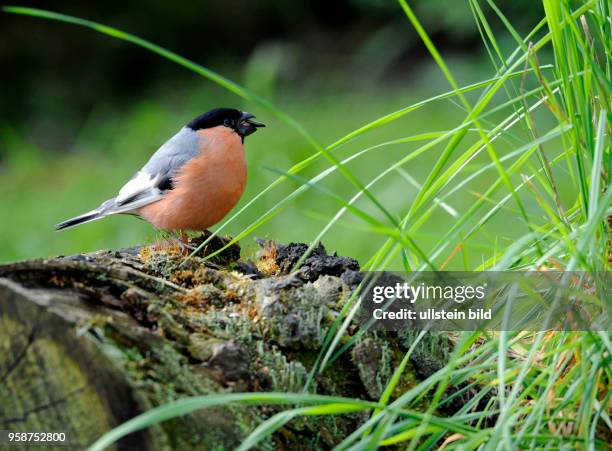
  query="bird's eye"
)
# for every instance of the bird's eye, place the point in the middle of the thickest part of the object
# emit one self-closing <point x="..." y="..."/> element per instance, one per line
<point x="228" y="122"/>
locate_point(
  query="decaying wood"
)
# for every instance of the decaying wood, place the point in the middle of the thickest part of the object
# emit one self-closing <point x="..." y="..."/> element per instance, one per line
<point x="88" y="341"/>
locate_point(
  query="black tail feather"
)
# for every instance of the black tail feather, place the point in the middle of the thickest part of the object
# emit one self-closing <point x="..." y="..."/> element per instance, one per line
<point x="91" y="216"/>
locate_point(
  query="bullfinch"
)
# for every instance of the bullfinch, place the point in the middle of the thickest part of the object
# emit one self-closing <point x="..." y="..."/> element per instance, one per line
<point x="192" y="181"/>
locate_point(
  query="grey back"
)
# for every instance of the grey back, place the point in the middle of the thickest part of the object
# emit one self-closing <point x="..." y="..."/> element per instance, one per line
<point x="175" y="152"/>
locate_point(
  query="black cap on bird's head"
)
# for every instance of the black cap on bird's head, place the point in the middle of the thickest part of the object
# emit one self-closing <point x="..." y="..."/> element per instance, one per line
<point x="239" y="121"/>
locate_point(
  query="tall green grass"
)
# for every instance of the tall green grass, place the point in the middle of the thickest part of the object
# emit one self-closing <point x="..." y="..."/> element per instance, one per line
<point x="539" y="133"/>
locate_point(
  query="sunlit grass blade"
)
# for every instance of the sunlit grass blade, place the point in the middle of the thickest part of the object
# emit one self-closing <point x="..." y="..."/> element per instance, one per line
<point x="188" y="405"/>
<point x="278" y="420"/>
<point x="310" y="160"/>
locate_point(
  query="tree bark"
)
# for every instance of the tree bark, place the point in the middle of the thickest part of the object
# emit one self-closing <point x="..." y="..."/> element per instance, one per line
<point x="89" y="341"/>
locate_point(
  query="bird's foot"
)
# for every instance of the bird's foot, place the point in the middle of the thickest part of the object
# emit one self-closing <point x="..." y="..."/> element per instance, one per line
<point x="181" y="238"/>
<point x="173" y="242"/>
<point x="205" y="242"/>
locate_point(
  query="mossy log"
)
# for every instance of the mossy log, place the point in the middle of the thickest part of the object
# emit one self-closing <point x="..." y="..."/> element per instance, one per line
<point x="89" y="341"/>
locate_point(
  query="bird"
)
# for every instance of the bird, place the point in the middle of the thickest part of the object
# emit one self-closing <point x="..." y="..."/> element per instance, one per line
<point x="192" y="181"/>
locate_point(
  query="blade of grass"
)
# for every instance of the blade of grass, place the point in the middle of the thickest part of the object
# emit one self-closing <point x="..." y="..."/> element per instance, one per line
<point x="191" y="404"/>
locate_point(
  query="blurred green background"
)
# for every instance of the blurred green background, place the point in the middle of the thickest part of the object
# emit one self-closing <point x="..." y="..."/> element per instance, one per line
<point x="81" y="112"/>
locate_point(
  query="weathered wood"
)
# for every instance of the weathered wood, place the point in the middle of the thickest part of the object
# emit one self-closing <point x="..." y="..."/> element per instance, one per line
<point x="54" y="379"/>
<point x="89" y="341"/>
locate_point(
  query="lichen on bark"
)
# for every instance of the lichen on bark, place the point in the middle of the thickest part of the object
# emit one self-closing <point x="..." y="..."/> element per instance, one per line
<point x="171" y="327"/>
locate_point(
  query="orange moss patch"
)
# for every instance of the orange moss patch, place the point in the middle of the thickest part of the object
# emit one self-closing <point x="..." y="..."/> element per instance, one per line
<point x="266" y="263"/>
<point x="57" y="281"/>
<point x="186" y="277"/>
<point x="169" y="247"/>
<point x="193" y="298"/>
<point x="252" y="313"/>
<point x="234" y="297"/>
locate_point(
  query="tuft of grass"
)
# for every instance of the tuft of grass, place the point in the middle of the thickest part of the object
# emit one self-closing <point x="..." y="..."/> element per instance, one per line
<point x="538" y="135"/>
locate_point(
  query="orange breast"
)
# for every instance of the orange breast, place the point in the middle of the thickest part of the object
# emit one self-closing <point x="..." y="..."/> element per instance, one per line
<point x="206" y="188"/>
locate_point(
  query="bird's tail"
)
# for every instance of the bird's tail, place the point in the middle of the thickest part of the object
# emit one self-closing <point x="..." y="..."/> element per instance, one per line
<point x="82" y="219"/>
<point x="98" y="213"/>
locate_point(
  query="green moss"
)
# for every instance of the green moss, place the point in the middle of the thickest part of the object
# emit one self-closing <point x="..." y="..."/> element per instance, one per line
<point x="228" y="332"/>
<point x="282" y="374"/>
<point x="432" y="353"/>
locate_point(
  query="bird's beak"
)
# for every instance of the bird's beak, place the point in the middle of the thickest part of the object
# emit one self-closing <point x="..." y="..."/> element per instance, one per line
<point x="247" y="125"/>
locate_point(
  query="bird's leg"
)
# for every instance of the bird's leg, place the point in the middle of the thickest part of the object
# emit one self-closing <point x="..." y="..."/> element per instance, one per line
<point x="182" y="239"/>
<point x="163" y="241"/>
<point x="173" y="239"/>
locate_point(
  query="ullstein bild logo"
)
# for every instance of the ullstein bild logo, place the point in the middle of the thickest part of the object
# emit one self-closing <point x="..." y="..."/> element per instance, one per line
<point x="486" y="301"/>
